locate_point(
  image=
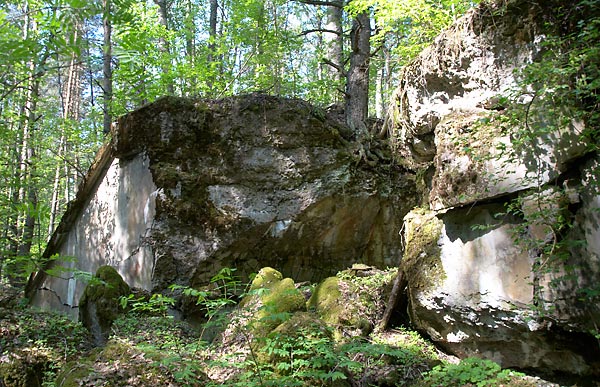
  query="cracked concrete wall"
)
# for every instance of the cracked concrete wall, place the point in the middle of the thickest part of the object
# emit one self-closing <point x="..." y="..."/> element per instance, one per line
<point x="111" y="230"/>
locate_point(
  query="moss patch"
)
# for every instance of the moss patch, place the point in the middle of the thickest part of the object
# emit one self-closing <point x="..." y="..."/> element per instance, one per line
<point x="99" y="304"/>
<point x="121" y="363"/>
<point x="25" y="368"/>
<point x="421" y="261"/>
<point x="273" y="299"/>
<point x="326" y="300"/>
<point x="352" y="302"/>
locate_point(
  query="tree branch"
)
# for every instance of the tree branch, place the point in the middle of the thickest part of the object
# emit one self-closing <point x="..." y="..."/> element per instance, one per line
<point x="306" y="32"/>
<point x="335" y="66"/>
<point x="329" y="3"/>
<point x="377" y="49"/>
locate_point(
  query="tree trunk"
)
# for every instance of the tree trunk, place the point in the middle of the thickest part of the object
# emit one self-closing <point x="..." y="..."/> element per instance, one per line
<point x="190" y="48"/>
<point x="357" y="79"/>
<point x="379" y="108"/>
<point x="163" y="44"/>
<point x="399" y="284"/>
<point x="71" y="98"/>
<point x="212" y="44"/>
<point x="335" y="46"/>
<point x="212" y="30"/>
<point x="26" y="197"/>
<point x="106" y="65"/>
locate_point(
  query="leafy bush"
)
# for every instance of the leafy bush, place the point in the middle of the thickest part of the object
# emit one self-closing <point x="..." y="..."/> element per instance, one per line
<point x="471" y="371"/>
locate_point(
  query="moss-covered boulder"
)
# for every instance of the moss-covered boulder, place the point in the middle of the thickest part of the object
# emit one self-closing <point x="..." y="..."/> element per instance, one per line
<point x="99" y="304"/>
<point x="354" y="301"/>
<point x="266" y="278"/>
<point x="24" y="368"/>
<point x="272" y="299"/>
<point x="326" y="300"/>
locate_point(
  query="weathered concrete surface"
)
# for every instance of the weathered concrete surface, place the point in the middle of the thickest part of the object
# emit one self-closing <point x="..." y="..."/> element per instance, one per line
<point x="475" y="159"/>
<point x="496" y="270"/>
<point x="194" y="186"/>
<point x="110" y="229"/>
<point x="470" y="291"/>
<point x="440" y="116"/>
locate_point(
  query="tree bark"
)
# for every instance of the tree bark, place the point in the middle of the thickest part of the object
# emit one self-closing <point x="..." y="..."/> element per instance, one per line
<point x="212" y="44"/>
<point x="26" y="197"/>
<point x="106" y="65"/>
<point x="357" y="79"/>
<point x="335" y="46"/>
<point x="190" y="47"/>
<point x="212" y="30"/>
<point x="163" y="44"/>
<point x="399" y="284"/>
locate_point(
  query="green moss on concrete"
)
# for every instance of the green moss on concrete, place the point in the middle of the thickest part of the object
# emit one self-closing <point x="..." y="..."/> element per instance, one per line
<point x="99" y="305"/>
<point x="326" y="301"/>
<point x="275" y="298"/>
<point x="421" y="261"/>
<point x="354" y="301"/>
<point x="266" y="278"/>
<point x="107" y="283"/>
<point x="284" y="297"/>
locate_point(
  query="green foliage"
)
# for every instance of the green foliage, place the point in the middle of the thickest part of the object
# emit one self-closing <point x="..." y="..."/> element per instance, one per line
<point x="51" y="331"/>
<point x="303" y="352"/>
<point x="156" y="305"/>
<point x="147" y="348"/>
<point x="35" y="344"/>
<point x="306" y="356"/>
<point x="171" y="345"/>
<point x="471" y="371"/>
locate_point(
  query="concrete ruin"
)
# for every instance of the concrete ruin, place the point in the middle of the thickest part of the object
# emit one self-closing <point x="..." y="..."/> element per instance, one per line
<point x="186" y="188"/>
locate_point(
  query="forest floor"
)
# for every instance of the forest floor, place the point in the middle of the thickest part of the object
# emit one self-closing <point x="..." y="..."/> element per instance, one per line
<point x="152" y="348"/>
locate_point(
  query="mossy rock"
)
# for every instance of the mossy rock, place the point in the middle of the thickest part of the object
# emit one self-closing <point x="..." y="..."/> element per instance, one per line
<point x="326" y="301"/>
<point x="99" y="305"/>
<point x="24" y="368"/>
<point x="274" y="298"/>
<point x="422" y="263"/>
<point x="73" y="373"/>
<point x="344" y="310"/>
<point x="266" y="278"/>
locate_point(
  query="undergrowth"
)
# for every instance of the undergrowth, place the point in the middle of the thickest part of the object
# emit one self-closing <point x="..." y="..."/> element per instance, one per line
<point x="148" y="347"/>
